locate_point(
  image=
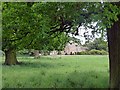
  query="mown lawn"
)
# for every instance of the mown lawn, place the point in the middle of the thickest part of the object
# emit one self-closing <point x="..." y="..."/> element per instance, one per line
<point x="58" y="72"/>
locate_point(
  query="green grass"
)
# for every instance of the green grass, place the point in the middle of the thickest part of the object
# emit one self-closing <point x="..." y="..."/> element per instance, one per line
<point x="58" y="72"/>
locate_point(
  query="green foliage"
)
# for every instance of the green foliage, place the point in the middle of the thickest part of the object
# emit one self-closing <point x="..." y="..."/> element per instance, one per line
<point x="97" y="52"/>
<point x="57" y="43"/>
<point x="75" y="40"/>
<point x="111" y="12"/>
<point x="24" y="27"/>
<point x="98" y="44"/>
<point x="65" y="72"/>
<point x="104" y="14"/>
<point x="93" y="52"/>
<point x="23" y="52"/>
<point x="34" y="25"/>
<point x="16" y="23"/>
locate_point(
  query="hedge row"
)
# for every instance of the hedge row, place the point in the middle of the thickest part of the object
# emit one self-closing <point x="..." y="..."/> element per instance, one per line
<point x="93" y="52"/>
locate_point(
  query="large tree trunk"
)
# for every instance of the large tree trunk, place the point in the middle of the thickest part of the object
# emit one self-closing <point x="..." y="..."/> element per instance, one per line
<point x="10" y="57"/>
<point x="36" y="54"/>
<point x="114" y="54"/>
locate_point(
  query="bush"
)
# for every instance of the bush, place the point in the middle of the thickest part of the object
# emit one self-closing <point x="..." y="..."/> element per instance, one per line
<point x="104" y="52"/>
<point x="83" y="53"/>
<point x="93" y="52"/>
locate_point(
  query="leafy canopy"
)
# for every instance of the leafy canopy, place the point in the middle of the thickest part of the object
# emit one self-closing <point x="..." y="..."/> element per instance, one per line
<point x="45" y="25"/>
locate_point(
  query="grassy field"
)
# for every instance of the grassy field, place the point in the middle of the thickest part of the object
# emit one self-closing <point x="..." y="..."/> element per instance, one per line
<point x="58" y="72"/>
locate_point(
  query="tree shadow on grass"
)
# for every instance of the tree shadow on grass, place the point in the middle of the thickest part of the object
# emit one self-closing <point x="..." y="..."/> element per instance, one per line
<point x="35" y="64"/>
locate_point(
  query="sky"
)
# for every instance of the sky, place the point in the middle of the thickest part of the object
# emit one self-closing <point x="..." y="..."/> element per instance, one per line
<point x="81" y="34"/>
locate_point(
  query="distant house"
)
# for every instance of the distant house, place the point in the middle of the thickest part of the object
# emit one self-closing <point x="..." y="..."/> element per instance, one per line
<point x="70" y="48"/>
<point x="73" y="48"/>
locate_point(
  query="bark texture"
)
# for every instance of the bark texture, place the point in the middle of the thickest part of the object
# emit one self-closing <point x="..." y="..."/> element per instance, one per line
<point x="10" y="57"/>
<point x="36" y="54"/>
<point x="114" y="55"/>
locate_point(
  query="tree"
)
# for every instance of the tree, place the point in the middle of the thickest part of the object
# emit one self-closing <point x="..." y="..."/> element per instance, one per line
<point x="114" y="50"/>
<point x="98" y="44"/>
<point x="113" y="34"/>
<point x="47" y="19"/>
<point x="15" y="29"/>
<point x="23" y="27"/>
<point x="106" y="15"/>
<point x="57" y="43"/>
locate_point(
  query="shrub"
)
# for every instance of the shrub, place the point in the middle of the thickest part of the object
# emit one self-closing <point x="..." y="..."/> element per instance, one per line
<point x="103" y="52"/>
<point x="93" y="52"/>
<point x="83" y="53"/>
